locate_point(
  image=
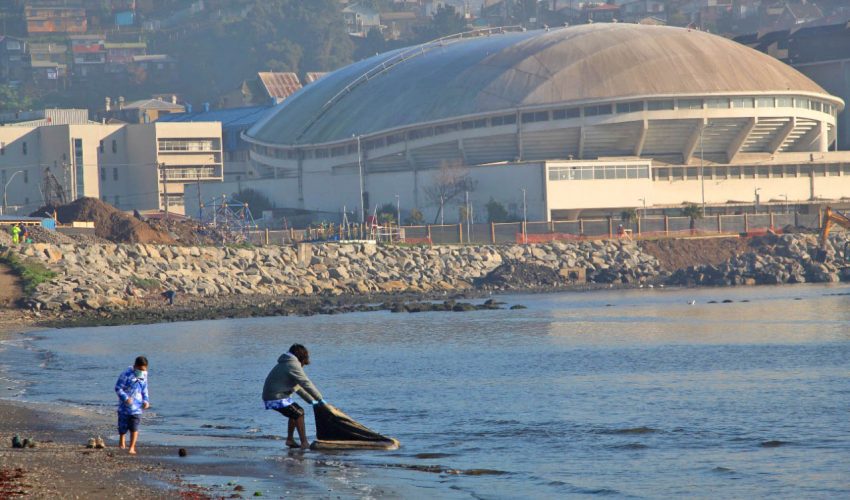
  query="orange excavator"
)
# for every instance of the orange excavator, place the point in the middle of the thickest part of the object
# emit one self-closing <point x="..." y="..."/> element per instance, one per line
<point x="830" y="219"/>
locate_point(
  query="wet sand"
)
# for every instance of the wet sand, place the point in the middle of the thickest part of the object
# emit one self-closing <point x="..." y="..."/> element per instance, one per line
<point x="60" y="466"/>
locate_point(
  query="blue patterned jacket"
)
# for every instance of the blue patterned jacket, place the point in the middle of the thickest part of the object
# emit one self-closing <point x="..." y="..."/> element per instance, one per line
<point x="135" y="389"/>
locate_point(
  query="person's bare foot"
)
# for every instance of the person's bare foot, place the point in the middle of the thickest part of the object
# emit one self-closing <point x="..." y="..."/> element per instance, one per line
<point x="291" y="443"/>
<point x="132" y="451"/>
<point x="305" y="445"/>
<point x="122" y="446"/>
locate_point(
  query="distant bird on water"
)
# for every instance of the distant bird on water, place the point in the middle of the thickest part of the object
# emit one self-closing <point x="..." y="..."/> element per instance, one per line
<point x="692" y="302"/>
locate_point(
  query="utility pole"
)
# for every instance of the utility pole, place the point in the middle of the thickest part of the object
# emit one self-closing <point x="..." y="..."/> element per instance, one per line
<point x="360" y="181"/>
<point x="200" y="204"/>
<point x="524" y="218"/>
<point x="398" y="210"/>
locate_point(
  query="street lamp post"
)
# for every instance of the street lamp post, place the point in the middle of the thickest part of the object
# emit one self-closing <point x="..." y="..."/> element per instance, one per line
<point x="757" y="200"/>
<point x="6" y="186"/>
<point x="398" y="210"/>
<point x="786" y="202"/>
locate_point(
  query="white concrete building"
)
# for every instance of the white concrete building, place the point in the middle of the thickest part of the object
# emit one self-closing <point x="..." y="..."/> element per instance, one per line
<point x="597" y="117"/>
<point x="131" y="166"/>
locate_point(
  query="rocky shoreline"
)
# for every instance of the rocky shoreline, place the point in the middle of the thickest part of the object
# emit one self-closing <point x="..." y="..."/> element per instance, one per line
<point x="100" y="284"/>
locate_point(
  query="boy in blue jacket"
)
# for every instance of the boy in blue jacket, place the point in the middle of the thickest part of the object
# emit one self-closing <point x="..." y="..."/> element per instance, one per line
<point x="132" y="391"/>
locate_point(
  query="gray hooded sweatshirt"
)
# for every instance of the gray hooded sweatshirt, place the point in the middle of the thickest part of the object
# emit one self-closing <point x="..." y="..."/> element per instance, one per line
<point x="288" y="377"/>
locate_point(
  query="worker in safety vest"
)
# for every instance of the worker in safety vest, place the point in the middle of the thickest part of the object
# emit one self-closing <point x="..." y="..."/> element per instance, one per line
<point x="16" y="234"/>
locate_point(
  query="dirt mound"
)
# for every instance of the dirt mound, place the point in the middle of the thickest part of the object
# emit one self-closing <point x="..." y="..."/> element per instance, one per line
<point x="188" y="231"/>
<point x="109" y="223"/>
<point x="520" y="275"/>
<point x="675" y="254"/>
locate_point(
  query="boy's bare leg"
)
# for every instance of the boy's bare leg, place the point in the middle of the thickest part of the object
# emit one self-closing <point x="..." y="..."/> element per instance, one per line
<point x="122" y="441"/>
<point x="133" y="437"/>
<point x="302" y="432"/>
<point x="290" y="434"/>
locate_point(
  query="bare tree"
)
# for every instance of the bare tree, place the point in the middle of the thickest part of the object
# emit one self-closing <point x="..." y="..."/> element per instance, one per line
<point x="450" y="182"/>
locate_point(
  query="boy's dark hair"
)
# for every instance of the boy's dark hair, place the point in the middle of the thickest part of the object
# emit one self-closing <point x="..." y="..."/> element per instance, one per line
<point x="300" y="352"/>
<point x="141" y="361"/>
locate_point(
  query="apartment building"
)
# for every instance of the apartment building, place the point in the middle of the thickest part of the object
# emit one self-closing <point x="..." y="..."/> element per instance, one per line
<point x="131" y="166"/>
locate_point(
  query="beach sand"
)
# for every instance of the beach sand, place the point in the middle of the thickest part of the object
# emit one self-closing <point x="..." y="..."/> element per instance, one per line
<point x="60" y="466"/>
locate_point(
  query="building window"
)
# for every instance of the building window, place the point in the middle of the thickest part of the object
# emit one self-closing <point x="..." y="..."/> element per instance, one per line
<point x="833" y="170"/>
<point x="26" y="176"/>
<point x="742" y="102"/>
<point x="602" y="109"/>
<point x="784" y="102"/>
<point x="717" y="103"/>
<point x="776" y="171"/>
<point x="79" y="168"/>
<point x="735" y="172"/>
<point x="503" y="120"/>
<point x="690" y="103"/>
<point x="630" y="107"/>
<point x="692" y="173"/>
<point x="537" y="116"/>
<point x="24" y="147"/>
<point x="114" y="173"/>
<point x="765" y="102"/>
<point x="114" y="146"/>
<point x="100" y="147"/>
<point x="660" y="105"/>
<point x="102" y="174"/>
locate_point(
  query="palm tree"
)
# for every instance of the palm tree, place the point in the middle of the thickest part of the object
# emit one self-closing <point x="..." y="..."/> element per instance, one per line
<point x="693" y="212"/>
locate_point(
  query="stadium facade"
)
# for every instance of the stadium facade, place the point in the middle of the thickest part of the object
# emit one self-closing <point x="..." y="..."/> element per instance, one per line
<point x="600" y="117"/>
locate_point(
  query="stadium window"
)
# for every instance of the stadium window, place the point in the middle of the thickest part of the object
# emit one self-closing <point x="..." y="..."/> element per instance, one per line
<point x="800" y="102"/>
<point x="604" y="109"/>
<point x="742" y="102"/>
<point x="352" y="148"/>
<point x="734" y="172"/>
<point x="762" y="172"/>
<point x="559" y="114"/>
<point x="590" y="111"/>
<point x="717" y="103"/>
<point x="114" y="173"/>
<point x="660" y="105"/>
<point x="467" y="125"/>
<point x="833" y="170"/>
<point x="845" y="168"/>
<point x="541" y="116"/>
<point x="765" y="102"/>
<point x="510" y="120"/>
<point x="527" y="117"/>
<point x="321" y="153"/>
<point x="291" y="154"/>
<point x="692" y="173"/>
<point x="480" y="123"/>
<point x="784" y="102"/>
<point x="420" y="133"/>
<point x="307" y="153"/>
<point x="338" y="151"/>
<point x="805" y="170"/>
<point x="790" y="170"/>
<point x="776" y="171"/>
<point x="630" y="107"/>
<point x="815" y="105"/>
<point x="677" y="173"/>
<point x="690" y="103"/>
<point x="662" y="173"/>
<point x="444" y="129"/>
<point x="114" y="146"/>
<point x="749" y="172"/>
<point x="818" y="170"/>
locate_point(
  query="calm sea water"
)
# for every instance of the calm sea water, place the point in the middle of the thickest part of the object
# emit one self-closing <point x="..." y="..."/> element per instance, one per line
<point x="625" y="393"/>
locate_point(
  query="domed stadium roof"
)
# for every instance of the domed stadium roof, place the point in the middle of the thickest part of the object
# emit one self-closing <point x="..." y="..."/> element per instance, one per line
<point x="522" y="69"/>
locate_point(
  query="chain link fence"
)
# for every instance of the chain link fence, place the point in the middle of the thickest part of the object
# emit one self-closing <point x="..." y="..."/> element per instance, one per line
<point x="537" y="232"/>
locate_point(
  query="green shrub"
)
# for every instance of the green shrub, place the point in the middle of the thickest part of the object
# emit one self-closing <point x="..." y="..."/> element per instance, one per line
<point x="144" y="283"/>
<point x="31" y="271"/>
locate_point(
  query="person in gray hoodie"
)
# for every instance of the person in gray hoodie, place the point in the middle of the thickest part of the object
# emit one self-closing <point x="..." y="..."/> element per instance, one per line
<point x="285" y="378"/>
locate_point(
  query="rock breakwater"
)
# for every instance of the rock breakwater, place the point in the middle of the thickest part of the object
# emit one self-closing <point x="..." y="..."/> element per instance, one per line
<point x="115" y="276"/>
<point x="774" y="259"/>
